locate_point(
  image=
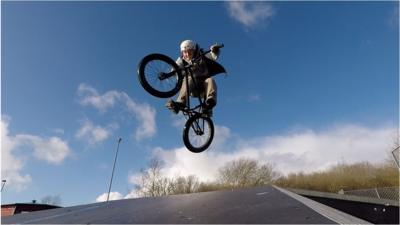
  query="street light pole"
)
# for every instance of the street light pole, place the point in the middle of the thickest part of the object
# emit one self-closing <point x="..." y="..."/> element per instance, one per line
<point x="112" y="174"/>
<point x="3" y="182"/>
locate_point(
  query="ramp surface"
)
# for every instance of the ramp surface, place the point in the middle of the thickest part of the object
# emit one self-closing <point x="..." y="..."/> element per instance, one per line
<point x="265" y="205"/>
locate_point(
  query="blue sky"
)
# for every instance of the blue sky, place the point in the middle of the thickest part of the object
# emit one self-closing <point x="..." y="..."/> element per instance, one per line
<point x="309" y="84"/>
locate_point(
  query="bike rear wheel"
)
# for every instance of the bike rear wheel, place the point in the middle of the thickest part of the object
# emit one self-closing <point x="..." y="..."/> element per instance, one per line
<point x="198" y="133"/>
<point x="159" y="75"/>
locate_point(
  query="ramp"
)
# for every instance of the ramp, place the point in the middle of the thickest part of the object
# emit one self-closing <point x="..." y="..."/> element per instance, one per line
<point x="263" y="205"/>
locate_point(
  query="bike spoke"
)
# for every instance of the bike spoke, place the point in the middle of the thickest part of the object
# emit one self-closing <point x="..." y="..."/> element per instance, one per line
<point x="152" y="71"/>
<point x="199" y="133"/>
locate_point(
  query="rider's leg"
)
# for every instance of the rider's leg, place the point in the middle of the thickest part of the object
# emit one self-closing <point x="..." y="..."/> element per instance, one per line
<point x="183" y="92"/>
<point x="211" y="92"/>
<point x="180" y="102"/>
<point x="210" y="96"/>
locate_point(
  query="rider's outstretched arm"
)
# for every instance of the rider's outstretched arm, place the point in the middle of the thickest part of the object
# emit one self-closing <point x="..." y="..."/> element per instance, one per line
<point x="212" y="56"/>
<point x="214" y="53"/>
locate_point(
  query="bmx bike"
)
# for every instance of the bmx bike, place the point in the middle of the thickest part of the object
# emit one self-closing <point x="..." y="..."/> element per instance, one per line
<point x="162" y="77"/>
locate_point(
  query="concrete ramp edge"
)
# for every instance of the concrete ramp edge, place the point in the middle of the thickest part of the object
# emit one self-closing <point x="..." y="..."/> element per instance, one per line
<point x="329" y="212"/>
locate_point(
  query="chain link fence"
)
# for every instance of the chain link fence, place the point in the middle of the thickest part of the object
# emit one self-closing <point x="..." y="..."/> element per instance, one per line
<point x="382" y="193"/>
<point x="396" y="156"/>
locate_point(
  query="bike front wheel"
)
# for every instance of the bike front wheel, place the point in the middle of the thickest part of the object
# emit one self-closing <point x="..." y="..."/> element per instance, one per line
<point x="198" y="133"/>
<point x="159" y="75"/>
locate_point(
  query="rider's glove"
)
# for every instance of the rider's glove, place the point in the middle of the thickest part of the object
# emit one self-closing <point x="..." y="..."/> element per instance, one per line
<point x="214" y="49"/>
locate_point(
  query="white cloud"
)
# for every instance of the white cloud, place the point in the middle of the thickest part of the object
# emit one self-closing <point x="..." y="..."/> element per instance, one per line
<point x="11" y="165"/>
<point x="113" y="196"/>
<point x="250" y="14"/>
<point x="134" y="178"/>
<point x="178" y="121"/>
<point x="52" y="150"/>
<point x="300" y="150"/>
<point x="132" y="194"/>
<point x="143" y="113"/>
<point x="222" y="134"/>
<point x="181" y="162"/>
<point x="94" y="133"/>
<point x="90" y="96"/>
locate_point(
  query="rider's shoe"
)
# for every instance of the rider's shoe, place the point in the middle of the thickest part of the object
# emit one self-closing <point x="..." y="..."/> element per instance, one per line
<point x="208" y="112"/>
<point x="208" y="106"/>
<point x="210" y="103"/>
<point x="174" y="106"/>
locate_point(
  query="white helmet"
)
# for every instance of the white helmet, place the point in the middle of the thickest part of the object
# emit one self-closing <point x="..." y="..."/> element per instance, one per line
<point x="188" y="44"/>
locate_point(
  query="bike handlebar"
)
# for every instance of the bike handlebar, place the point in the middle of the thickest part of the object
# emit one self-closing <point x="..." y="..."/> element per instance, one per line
<point x="218" y="46"/>
<point x="163" y="75"/>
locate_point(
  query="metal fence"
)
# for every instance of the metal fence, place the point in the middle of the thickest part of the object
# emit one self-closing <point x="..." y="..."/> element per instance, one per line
<point x="383" y="193"/>
<point x="396" y="156"/>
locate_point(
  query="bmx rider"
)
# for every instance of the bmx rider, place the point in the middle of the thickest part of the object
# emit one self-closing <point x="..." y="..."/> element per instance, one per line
<point x="207" y="86"/>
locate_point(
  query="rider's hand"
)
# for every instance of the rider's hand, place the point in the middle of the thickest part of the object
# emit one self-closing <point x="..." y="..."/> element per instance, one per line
<point x="214" y="49"/>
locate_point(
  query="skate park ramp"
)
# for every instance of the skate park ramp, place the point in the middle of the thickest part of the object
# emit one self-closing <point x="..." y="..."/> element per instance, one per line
<point x="261" y="205"/>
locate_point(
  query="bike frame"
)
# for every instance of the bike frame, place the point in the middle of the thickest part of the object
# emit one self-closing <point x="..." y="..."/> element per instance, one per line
<point x="169" y="77"/>
<point x="189" y="112"/>
<point x="189" y="73"/>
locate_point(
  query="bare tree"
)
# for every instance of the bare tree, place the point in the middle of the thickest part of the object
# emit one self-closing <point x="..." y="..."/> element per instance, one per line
<point x="184" y="185"/>
<point x="235" y="174"/>
<point x="152" y="182"/>
<point x="246" y="173"/>
<point x="192" y="184"/>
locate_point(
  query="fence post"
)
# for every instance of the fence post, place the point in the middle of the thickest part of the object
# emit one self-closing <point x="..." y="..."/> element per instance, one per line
<point x="376" y="191"/>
